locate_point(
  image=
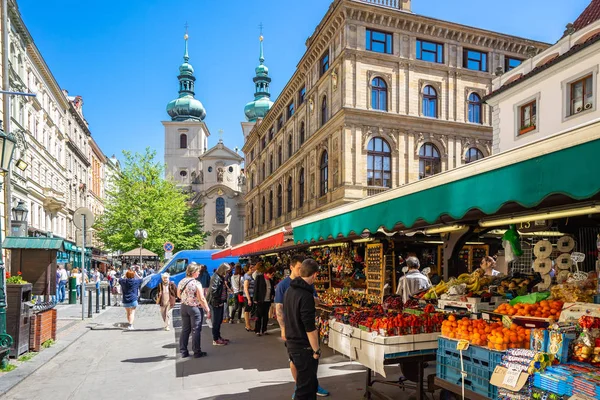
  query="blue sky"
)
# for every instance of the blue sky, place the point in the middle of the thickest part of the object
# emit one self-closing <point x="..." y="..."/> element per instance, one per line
<point x="122" y="56"/>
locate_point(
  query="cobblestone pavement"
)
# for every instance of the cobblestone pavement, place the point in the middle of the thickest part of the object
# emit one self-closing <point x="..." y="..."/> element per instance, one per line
<point x="109" y="362"/>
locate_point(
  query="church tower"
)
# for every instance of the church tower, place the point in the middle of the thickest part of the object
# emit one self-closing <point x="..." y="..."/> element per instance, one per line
<point x="186" y="135"/>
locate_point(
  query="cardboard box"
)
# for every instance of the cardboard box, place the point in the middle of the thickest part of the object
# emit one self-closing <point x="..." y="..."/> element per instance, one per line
<point x="572" y="311"/>
<point x="499" y="374"/>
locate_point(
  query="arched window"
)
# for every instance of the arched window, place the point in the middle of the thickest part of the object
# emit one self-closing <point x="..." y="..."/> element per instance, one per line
<point x="473" y="154"/>
<point x="290" y="146"/>
<point x="378" y="94"/>
<point x="220" y="206"/>
<point x="279" y="156"/>
<point x="379" y="163"/>
<point x="252" y="182"/>
<point x="474" y="108"/>
<point x="324" y="173"/>
<point x="270" y="164"/>
<point x="183" y="141"/>
<point x="263" y="209"/>
<point x="430" y="102"/>
<point x="429" y="161"/>
<point x="251" y="215"/>
<point x="324" y="111"/>
<point x="270" y="205"/>
<point x="264" y="171"/>
<point x="301" y="189"/>
<point x="279" y="201"/>
<point x="302" y="133"/>
<point x="290" y="195"/>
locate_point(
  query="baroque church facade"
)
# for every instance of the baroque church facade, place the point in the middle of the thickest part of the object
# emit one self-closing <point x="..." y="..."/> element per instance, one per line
<point x="215" y="176"/>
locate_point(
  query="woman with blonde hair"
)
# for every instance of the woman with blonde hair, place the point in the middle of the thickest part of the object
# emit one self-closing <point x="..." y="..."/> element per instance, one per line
<point x="193" y="306"/>
<point x="130" y="286"/>
<point x="167" y="295"/>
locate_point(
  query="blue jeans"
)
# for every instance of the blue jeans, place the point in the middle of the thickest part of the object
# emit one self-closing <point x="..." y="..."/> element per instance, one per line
<point x="62" y="291"/>
<point x="191" y="322"/>
<point x="217" y="320"/>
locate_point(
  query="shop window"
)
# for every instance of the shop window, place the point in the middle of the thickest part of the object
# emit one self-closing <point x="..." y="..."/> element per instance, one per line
<point x="429" y="161"/>
<point x="324" y="169"/>
<point x="473" y="154"/>
<point x="379" y="94"/>
<point x="379" y="163"/>
<point x="527" y="117"/>
<point x="301" y="188"/>
<point x="474" y="108"/>
<point x="430" y="102"/>
<point x="220" y="210"/>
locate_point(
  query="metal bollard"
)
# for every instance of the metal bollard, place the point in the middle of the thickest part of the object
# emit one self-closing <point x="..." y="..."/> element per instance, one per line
<point x="104" y="298"/>
<point x="97" y="301"/>
<point x="109" y="290"/>
<point x="89" y="304"/>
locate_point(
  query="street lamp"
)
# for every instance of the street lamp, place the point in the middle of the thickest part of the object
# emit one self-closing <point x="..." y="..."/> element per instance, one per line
<point x="7" y="147"/>
<point x="19" y="219"/>
<point x="141" y="235"/>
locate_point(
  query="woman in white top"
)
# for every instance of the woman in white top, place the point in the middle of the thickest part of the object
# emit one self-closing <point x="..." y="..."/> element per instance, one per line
<point x="238" y="292"/>
<point x="77" y="275"/>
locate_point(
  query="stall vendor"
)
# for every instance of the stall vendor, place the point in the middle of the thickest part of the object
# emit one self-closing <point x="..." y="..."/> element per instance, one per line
<point x="413" y="282"/>
<point x="488" y="265"/>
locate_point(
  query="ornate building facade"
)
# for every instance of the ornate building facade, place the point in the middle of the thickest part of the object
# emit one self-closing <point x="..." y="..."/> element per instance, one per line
<point x="382" y="97"/>
<point x="215" y="176"/>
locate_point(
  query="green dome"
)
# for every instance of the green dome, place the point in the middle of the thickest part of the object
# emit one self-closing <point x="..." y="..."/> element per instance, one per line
<point x="262" y="103"/>
<point x="186" y="69"/>
<point x="262" y="70"/>
<point x="186" y="108"/>
<point x="257" y="108"/>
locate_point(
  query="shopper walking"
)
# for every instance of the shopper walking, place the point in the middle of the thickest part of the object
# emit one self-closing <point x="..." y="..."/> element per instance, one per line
<point x="204" y="278"/>
<point x="62" y="283"/>
<point x="217" y="297"/>
<point x="193" y="306"/>
<point x="77" y="275"/>
<point x="248" y="286"/>
<point x="280" y="291"/>
<point x="264" y="292"/>
<point x="238" y="292"/>
<point x="167" y="295"/>
<point x="302" y="336"/>
<point x="130" y="286"/>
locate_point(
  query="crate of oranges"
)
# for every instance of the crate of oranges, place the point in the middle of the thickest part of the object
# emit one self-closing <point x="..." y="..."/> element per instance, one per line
<point x="547" y="309"/>
<point x="476" y="331"/>
<point x="513" y="337"/>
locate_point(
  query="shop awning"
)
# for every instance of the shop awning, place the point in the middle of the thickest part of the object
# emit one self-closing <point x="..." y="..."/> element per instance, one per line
<point x="33" y="243"/>
<point x="269" y="241"/>
<point x="565" y="164"/>
<point x="137" y="253"/>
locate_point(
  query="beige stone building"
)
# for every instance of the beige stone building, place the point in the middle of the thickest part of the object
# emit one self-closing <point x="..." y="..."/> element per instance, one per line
<point x="382" y="97"/>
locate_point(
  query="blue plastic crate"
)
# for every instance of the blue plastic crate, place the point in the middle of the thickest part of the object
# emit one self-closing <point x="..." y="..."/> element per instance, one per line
<point x="474" y="383"/>
<point x="481" y="360"/>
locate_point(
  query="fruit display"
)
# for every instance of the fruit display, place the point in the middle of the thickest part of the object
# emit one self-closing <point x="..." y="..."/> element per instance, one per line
<point x="518" y="285"/>
<point x="514" y="337"/>
<point x="484" y="333"/>
<point x="338" y="297"/>
<point x="392" y="303"/>
<point x="542" y="309"/>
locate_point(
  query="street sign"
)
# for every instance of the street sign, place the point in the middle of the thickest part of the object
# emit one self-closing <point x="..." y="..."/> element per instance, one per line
<point x="168" y="247"/>
<point x="89" y="217"/>
<point x="168" y="255"/>
<point x="79" y="238"/>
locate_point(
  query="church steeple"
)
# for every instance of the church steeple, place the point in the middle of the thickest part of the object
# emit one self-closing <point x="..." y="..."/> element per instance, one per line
<point x="186" y="107"/>
<point x="262" y="96"/>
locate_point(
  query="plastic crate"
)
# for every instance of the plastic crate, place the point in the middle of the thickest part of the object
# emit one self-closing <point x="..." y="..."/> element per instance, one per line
<point x="472" y="382"/>
<point x="480" y="360"/>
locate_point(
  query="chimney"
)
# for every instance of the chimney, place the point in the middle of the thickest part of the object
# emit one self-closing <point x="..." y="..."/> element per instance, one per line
<point x="405" y="5"/>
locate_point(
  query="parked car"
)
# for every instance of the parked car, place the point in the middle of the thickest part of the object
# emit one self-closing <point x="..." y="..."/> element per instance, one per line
<point x="176" y="268"/>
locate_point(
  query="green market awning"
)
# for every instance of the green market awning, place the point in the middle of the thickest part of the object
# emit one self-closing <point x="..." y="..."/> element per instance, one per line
<point x="36" y="243"/>
<point x="566" y="164"/>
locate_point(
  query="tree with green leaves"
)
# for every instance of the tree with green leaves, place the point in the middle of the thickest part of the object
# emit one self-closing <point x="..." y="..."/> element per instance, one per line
<point x="142" y="198"/>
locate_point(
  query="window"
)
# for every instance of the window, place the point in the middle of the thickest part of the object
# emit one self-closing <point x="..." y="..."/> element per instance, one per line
<point x="379" y="42"/>
<point x="290" y="146"/>
<point x="429" y="102"/>
<point x="279" y="156"/>
<point x="264" y="171"/>
<point x="378" y="94"/>
<point x="430" y="51"/>
<point x="270" y="164"/>
<point x="220" y="240"/>
<point x="324" y="111"/>
<point x="511" y="63"/>
<point x="183" y="174"/>
<point x="301" y="189"/>
<point x="302" y="135"/>
<point x="270" y="205"/>
<point x="290" y="110"/>
<point x="475" y="60"/>
<point x="183" y="141"/>
<point x="290" y="195"/>
<point x="263" y="214"/>
<point x="271" y="133"/>
<point x="178" y="266"/>
<point x="324" y="63"/>
<point x="264" y="142"/>
<point x="301" y="96"/>
<point x="230" y="169"/>
<point x="474" y="108"/>
<point x="324" y="173"/>
<point x="279" y="201"/>
<point x="429" y="161"/>
<point x="252" y="181"/>
<point x="209" y="169"/>
<point x="527" y="117"/>
<point x="473" y="154"/>
<point x="220" y="210"/>
<point x="379" y="160"/>
<point x="251" y="215"/>
<point x="581" y="95"/>
<point x="279" y="123"/>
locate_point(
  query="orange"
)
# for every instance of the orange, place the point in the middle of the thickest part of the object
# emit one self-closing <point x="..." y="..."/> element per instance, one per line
<point x="451" y="318"/>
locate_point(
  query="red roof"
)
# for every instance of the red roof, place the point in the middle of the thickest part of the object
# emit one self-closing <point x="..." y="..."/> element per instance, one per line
<point x="589" y="15"/>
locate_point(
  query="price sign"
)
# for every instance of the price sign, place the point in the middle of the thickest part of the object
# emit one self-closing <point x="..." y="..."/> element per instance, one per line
<point x="512" y="377"/>
<point x="374" y="334"/>
<point x="462" y="345"/>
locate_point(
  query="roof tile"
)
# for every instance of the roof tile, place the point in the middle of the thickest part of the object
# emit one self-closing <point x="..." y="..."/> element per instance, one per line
<point x="589" y="15"/>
